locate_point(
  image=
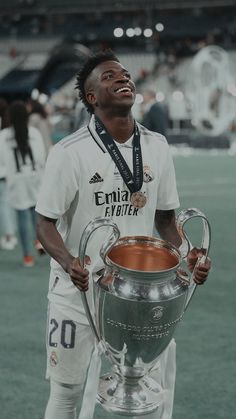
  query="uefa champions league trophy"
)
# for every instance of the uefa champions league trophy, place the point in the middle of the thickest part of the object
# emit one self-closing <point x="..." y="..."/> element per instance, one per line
<point x="139" y="299"/>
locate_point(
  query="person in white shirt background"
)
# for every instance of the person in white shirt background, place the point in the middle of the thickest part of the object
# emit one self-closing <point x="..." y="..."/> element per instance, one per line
<point x="38" y="118"/>
<point x="82" y="181"/>
<point x="8" y="238"/>
<point x="23" y="154"/>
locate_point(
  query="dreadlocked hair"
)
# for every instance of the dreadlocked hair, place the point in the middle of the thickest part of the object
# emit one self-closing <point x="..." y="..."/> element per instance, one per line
<point x="87" y="68"/>
<point x="19" y="121"/>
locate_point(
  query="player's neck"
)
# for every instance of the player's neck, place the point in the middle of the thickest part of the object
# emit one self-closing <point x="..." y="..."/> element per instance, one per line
<point x="120" y="128"/>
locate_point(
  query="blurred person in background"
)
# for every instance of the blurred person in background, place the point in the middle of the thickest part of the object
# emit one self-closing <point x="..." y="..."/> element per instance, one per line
<point x="23" y="154"/>
<point x="38" y="118"/>
<point x="8" y="239"/>
<point x="155" y="115"/>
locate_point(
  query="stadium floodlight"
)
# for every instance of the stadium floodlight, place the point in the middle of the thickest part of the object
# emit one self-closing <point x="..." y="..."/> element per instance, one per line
<point x="159" y="27"/>
<point x="148" y="32"/>
<point x="118" y="32"/>
<point x="130" y="32"/>
<point x="138" y="31"/>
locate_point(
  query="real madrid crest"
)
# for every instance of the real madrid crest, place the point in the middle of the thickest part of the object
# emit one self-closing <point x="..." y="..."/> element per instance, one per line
<point x="53" y="359"/>
<point x="147" y="174"/>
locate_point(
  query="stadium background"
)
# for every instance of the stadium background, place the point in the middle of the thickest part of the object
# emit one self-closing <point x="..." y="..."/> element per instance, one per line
<point x="42" y="44"/>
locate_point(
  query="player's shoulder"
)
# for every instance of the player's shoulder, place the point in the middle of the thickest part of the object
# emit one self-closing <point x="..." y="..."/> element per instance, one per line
<point x="152" y="136"/>
<point x="74" y="140"/>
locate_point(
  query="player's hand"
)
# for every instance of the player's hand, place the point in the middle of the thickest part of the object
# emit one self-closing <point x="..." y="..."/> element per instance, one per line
<point x="202" y="270"/>
<point x="79" y="276"/>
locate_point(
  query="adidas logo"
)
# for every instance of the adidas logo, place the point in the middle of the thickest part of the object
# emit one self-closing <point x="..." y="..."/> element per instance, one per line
<point x="96" y="178"/>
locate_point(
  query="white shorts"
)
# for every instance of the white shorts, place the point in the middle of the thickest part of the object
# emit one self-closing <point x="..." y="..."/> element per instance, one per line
<point x="69" y="347"/>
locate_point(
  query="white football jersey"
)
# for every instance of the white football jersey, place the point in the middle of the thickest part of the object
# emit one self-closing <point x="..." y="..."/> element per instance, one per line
<point x="81" y="182"/>
<point x="23" y="176"/>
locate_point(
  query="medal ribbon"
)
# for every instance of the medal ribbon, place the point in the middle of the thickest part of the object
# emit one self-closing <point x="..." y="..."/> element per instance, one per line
<point x="134" y="181"/>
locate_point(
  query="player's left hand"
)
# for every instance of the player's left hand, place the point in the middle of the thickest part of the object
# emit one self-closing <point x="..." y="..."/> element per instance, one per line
<point x="202" y="270"/>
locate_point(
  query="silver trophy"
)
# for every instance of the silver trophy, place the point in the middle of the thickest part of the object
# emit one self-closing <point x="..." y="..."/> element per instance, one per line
<point x="139" y="298"/>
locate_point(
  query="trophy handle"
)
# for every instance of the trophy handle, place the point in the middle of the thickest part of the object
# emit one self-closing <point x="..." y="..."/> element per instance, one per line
<point x="186" y="245"/>
<point x="88" y="231"/>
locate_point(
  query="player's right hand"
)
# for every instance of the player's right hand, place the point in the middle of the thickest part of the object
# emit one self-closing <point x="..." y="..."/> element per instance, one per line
<point x="79" y="276"/>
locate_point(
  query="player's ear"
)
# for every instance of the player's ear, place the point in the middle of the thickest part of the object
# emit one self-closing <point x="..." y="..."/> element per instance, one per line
<point x="91" y="97"/>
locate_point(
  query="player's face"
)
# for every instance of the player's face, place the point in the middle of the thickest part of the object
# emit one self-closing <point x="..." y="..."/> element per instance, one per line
<point x="110" y="86"/>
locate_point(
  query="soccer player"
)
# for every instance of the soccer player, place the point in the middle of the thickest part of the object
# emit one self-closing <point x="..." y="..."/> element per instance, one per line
<point x="86" y="177"/>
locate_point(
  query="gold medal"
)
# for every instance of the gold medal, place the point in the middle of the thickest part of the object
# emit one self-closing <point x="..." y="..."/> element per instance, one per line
<point x="138" y="199"/>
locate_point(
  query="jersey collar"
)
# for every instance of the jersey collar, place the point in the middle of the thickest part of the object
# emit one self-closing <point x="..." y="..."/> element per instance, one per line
<point x="91" y="127"/>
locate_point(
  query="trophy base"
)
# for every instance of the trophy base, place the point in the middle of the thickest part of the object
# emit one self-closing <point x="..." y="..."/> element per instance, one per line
<point x="129" y="397"/>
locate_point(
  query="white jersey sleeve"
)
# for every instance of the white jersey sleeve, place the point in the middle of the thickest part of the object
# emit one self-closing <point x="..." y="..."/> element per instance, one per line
<point x="52" y="201"/>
